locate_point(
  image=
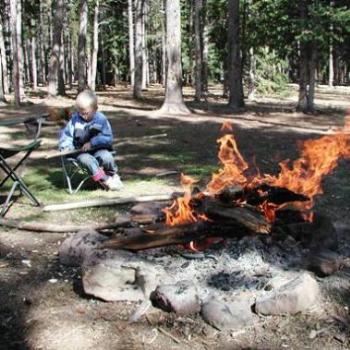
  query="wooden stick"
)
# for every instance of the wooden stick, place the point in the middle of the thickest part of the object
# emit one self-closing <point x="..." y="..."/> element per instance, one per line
<point x="129" y="141"/>
<point x="106" y="202"/>
<point x="43" y="227"/>
<point x="169" y="335"/>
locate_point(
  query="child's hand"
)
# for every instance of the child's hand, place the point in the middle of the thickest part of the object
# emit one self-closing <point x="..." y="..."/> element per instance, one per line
<point x="86" y="146"/>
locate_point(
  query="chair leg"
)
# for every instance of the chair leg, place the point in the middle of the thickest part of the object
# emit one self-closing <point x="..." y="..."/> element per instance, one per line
<point x="66" y="176"/>
<point x="69" y="171"/>
<point x="6" y="205"/>
<point x="16" y="179"/>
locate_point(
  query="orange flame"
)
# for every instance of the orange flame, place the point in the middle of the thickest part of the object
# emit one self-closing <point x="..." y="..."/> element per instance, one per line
<point x="233" y="166"/>
<point x="226" y="126"/>
<point x="180" y="212"/>
<point x="318" y="158"/>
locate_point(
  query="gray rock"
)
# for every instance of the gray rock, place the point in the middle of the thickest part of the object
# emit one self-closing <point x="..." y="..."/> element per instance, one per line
<point x="227" y="316"/>
<point x="295" y="296"/>
<point x="325" y="262"/>
<point x="279" y="280"/>
<point x="111" y="284"/>
<point x="118" y="275"/>
<point x="77" y="247"/>
<point x="181" y="298"/>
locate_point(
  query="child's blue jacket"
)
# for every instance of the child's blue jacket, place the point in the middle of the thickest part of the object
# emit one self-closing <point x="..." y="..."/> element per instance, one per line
<point x="78" y="131"/>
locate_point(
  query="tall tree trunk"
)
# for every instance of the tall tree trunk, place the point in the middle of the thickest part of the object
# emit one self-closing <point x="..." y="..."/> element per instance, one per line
<point x="41" y="48"/>
<point x="21" y="50"/>
<point x="82" y="45"/>
<point x="198" y="26"/>
<point x="330" y="59"/>
<point x="307" y="68"/>
<point x="131" y="43"/>
<point x="145" y="68"/>
<point x="173" y="102"/>
<point x="70" y="62"/>
<point x="2" y="95"/>
<point x="164" y="62"/>
<point x="88" y="61"/>
<point x="5" y="82"/>
<point x="33" y="60"/>
<point x="236" y="100"/>
<point x="54" y="64"/>
<point x="205" y="49"/>
<point x="61" y="79"/>
<point x="139" y="9"/>
<point x="16" y="73"/>
<point x="26" y="61"/>
<point x="103" y="60"/>
<point x="252" y="73"/>
<point x="94" y="47"/>
<point x="8" y="43"/>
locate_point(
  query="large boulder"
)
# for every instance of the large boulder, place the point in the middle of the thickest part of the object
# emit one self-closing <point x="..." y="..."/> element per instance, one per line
<point x="297" y="295"/>
<point x="227" y="316"/>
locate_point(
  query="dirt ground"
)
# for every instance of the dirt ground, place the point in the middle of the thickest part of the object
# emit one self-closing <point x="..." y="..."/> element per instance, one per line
<point x="42" y="304"/>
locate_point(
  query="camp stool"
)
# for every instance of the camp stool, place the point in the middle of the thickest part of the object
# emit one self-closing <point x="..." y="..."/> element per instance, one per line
<point x="72" y="170"/>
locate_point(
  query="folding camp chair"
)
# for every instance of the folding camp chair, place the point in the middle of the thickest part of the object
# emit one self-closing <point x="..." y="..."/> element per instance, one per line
<point x="33" y="128"/>
<point x="73" y="170"/>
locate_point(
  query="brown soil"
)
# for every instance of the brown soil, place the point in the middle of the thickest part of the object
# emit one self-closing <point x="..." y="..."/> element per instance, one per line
<point x="42" y="305"/>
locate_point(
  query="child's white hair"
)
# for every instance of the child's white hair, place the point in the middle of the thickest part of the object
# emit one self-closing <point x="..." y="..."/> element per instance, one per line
<point x="86" y="99"/>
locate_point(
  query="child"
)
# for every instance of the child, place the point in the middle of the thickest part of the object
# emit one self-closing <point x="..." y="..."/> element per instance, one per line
<point x="90" y="131"/>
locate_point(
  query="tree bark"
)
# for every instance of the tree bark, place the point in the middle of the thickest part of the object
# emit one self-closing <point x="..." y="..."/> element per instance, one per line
<point x="236" y="100"/>
<point x="164" y="62"/>
<point x="252" y="73"/>
<point x="145" y="68"/>
<point x="173" y="102"/>
<point x="205" y="49"/>
<point x="54" y="64"/>
<point x="2" y="95"/>
<point x="330" y="57"/>
<point x="94" y="47"/>
<point x="198" y="26"/>
<point x="33" y="58"/>
<point x="131" y="43"/>
<point x="307" y="68"/>
<point x="41" y="61"/>
<point x="139" y="9"/>
<point x="26" y="60"/>
<point x="82" y="45"/>
<point x="16" y="73"/>
<point x="3" y="63"/>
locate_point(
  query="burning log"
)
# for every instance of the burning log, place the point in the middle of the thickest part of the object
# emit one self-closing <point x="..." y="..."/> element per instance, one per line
<point x="163" y="237"/>
<point x="229" y="222"/>
<point x="242" y="217"/>
<point x="260" y="194"/>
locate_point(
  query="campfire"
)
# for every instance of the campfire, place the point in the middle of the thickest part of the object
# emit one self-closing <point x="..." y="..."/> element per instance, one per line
<point x="240" y="200"/>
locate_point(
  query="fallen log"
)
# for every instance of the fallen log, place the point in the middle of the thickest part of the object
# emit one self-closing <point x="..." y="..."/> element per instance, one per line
<point x="58" y="228"/>
<point x="106" y="202"/>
